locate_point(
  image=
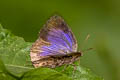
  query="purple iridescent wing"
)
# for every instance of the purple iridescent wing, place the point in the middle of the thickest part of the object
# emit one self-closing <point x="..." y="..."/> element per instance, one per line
<point x="56" y="39"/>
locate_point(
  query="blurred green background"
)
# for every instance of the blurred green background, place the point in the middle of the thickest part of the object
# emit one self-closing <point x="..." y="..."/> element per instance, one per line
<point x="99" y="18"/>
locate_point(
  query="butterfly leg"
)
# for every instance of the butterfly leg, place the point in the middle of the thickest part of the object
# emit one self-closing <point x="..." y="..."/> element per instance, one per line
<point x="65" y="67"/>
<point x="79" y="62"/>
<point x="74" y="68"/>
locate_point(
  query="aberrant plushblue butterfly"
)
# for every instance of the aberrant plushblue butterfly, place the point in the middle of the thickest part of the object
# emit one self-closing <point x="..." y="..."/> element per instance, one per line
<point x="56" y="45"/>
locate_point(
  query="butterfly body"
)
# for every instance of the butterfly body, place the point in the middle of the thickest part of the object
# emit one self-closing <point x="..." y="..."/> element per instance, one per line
<point x="55" y="46"/>
<point x="53" y="62"/>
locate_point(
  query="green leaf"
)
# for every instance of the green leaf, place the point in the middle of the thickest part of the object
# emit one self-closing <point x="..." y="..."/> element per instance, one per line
<point x="14" y="52"/>
<point x="44" y="74"/>
<point x="79" y="73"/>
<point x="4" y="74"/>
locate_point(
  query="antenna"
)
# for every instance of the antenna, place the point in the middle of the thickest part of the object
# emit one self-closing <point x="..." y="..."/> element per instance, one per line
<point x="84" y="43"/>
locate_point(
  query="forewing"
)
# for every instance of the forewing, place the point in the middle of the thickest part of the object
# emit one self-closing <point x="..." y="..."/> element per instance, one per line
<point x="56" y="39"/>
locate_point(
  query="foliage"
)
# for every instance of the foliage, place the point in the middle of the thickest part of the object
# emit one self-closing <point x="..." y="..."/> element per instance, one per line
<point x="16" y="65"/>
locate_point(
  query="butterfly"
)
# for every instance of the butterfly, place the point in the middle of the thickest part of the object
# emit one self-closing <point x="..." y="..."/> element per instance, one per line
<point x="56" y="45"/>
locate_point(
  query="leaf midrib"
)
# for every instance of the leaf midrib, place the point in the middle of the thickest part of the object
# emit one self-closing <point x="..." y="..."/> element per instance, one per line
<point x="9" y="65"/>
